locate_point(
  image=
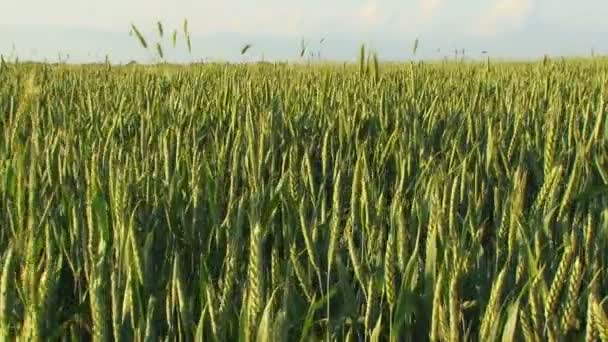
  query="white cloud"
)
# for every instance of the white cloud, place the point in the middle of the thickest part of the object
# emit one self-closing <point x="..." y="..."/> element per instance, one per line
<point x="429" y="7"/>
<point x="505" y="15"/>
<point x="370" y="13"/>
<point x="420" y="18"/>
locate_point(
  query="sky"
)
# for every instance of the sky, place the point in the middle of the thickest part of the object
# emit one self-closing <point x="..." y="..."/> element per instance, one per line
<point x="90" y="30"/>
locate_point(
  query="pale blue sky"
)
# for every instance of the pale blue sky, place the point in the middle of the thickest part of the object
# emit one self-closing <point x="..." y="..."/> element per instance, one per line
<point x="88" y="30"/>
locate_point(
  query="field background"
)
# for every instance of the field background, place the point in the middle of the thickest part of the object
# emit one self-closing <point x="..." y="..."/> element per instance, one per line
<point x="368" y="202"/>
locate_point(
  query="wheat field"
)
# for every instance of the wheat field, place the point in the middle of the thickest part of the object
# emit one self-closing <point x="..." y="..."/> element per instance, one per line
<point x="340" y="202"/>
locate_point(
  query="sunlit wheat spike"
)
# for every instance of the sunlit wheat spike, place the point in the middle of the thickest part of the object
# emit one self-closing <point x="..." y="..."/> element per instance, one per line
<point x="255" y="279"/>
<point x="569" y="318"/>
<point x="275" y="266"/>
<point x="376" y="67"/>
<point x="549" y="148"/>
<point x="527" y="330"/>
<point x="454" y="307"/>
<point x="159" y="50"/>
<point x="591" y="333"/>
<point x="354" y="257"/>
<point x="99" y="301"/>
<point x="302" y="48"/>
<point x="493" y="306"/>
<point x="369" y="306"/>
<point x="362" y="59"/>
<point x="245" y="48"/>
<point x="187" y="36"/>
<point x="390" y="269"/>
<point x="150" y="330"/>
<point x="308" y="241"/>
<point x="558" y="283"/>
<point x="161" y="31"/>
<point x="437" y="328"/>
<point x="139" y="36"/>
<point x="600" y="319"/>
<point x="213" y="314"/>
<point x="174" y="38"/>
<point x="300" y="273"/>
<point x="334" y="233"/>
<point x="7" y="284"/>
<point x="568" y="193"/>
<point x="230" y="275"/>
